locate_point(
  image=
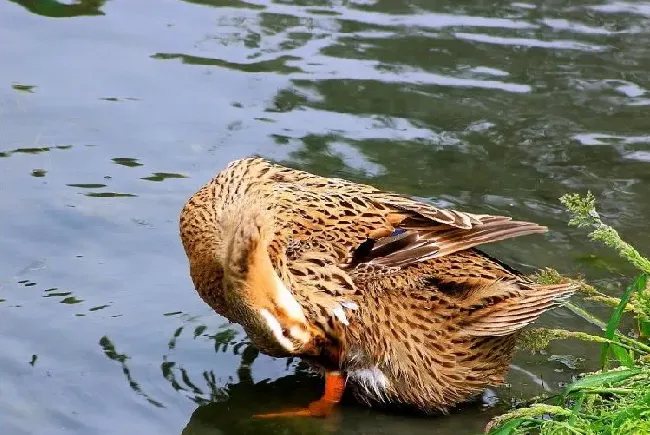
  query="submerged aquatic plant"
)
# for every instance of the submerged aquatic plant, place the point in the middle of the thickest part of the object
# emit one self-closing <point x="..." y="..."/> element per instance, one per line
<point x="611" y="401"/>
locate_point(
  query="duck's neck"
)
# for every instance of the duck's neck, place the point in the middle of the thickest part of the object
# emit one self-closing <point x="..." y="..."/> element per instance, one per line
<point x="251" y="278"/>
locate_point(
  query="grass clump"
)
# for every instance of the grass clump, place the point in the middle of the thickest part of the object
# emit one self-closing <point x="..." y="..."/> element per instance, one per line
<point x="612" y="401"/>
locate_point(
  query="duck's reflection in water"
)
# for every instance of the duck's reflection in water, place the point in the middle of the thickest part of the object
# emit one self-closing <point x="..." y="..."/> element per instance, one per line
<point x="229" y="408"/>
<point x="240" y="401"/>
<point x="234" y="415"/>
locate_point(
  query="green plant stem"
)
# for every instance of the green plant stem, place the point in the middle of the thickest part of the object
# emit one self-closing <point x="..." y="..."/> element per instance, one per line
<point x="585" y="215"/>
<point x="585" y="315"/>
<point x="630" y="343"/>
<point x="645" y="348"/>
<point x="606" y="390"/>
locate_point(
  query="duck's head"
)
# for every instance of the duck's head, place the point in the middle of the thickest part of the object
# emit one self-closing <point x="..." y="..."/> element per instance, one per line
<point x="254" y="293"/>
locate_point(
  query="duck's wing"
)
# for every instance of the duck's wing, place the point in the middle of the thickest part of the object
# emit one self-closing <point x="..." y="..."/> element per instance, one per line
<point x="422" y="231"/>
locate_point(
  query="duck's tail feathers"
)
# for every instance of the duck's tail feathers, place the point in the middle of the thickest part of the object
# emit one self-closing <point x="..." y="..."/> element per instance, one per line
<point x="510" y="306"/>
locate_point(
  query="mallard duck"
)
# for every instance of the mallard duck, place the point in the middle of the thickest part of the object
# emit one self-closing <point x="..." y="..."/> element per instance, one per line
<point x="370" y="287"/>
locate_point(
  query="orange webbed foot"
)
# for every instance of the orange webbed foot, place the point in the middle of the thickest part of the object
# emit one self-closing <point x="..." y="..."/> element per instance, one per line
<point x="323" y="407"/>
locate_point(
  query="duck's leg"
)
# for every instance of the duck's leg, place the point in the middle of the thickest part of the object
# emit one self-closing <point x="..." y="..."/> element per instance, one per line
<point x="323" y="407"/>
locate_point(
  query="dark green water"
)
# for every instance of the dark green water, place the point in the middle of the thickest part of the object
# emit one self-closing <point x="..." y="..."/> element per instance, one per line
<point x="113" y="113"/>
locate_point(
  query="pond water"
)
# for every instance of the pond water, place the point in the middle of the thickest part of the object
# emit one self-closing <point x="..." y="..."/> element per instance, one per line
<point x="113" y="113"/>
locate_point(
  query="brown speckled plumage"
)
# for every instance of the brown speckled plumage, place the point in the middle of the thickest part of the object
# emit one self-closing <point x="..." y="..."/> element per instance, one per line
<point x="416" y="316"/>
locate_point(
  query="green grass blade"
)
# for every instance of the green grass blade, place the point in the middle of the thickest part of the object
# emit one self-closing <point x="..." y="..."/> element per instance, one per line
<point x="576" y="408"/>
<point x="600" y="379"/>
<point x="622" y="355"/>
<point x="569" y="428"/>
<point x="638" y="284"/>
<point x="508" y="428"/>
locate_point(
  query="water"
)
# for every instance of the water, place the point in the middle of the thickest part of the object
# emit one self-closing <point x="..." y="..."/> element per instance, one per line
<point x="113" y="113"/>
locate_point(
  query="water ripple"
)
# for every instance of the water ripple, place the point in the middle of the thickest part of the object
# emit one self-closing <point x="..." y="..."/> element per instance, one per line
<point x="529" y="42"/>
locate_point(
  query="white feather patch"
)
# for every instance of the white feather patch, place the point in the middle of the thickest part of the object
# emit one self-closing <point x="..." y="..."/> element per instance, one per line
<point x="285" y="299"/>
<point x="372" y="380"/>
<point x="300" y="334"/>
<point x="339" y="312"/>
<point x="275" y="327"/>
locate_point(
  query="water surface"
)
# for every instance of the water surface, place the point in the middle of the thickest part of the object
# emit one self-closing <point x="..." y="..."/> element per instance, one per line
<point x="113" y="113"/>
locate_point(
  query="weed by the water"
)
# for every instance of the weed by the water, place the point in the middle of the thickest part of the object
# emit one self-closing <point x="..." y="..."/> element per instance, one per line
<point x="612" y="401"/>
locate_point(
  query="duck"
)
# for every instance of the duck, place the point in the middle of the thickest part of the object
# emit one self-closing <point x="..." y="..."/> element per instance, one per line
<point x="383" y="294"/>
